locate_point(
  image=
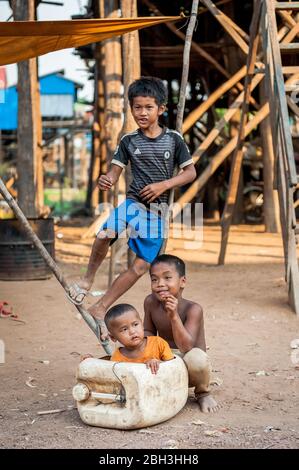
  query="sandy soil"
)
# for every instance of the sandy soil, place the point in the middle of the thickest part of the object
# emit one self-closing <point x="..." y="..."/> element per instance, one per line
<point x="249" y="327"/>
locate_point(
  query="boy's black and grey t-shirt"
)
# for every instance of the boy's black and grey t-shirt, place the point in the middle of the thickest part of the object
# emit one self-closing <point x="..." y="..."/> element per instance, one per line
<point x="152" y="160"/>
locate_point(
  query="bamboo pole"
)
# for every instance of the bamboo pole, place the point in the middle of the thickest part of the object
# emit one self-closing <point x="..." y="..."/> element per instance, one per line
<point x="94" y="325"/>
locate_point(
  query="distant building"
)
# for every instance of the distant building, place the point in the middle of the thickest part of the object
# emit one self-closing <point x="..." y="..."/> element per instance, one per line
<point x="58" y="98"/>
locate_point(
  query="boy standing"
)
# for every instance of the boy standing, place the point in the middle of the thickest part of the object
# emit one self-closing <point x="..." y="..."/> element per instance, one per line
<point x="154" y="152"/>
<point x="180" y="322"/>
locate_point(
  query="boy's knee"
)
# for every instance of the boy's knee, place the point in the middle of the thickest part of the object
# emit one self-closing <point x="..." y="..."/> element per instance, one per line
<point x="106" y="234"/>
<point x="140" y="267"/>
<point x="197" y="359"/>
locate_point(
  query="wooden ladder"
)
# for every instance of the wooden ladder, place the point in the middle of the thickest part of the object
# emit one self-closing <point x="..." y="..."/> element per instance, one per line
<point x="264" y="27"/>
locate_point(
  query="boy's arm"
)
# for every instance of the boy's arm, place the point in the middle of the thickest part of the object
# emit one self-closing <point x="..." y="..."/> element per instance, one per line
<point x="185" y="335"/>
<point x="150" y="192"/>
<point x="107" y="181"/>
<point x="149" y="327"/>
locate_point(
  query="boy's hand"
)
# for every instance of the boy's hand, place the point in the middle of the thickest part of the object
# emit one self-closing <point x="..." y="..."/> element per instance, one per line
<point x="105" y="182"/>
<point x="153" y="365"/>
<point x="150" y="192"/>
<point x="171" y="305"/>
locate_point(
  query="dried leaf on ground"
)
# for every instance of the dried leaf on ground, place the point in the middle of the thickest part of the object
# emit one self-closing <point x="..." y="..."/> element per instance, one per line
<point x="198" y="422"/>
<point x="213" y="433"/>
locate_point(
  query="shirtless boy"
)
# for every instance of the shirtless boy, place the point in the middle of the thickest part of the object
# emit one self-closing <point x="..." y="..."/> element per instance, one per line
<point x="180" y="322"/>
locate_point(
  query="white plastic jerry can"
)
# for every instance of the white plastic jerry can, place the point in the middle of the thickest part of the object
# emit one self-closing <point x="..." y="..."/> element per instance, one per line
<point x="126" y="395"/>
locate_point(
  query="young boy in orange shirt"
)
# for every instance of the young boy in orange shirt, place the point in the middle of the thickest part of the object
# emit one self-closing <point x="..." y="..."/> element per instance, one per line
<point x="124" y="325"/>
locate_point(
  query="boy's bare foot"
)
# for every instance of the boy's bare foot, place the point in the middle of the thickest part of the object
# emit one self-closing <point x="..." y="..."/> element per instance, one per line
<point x="78" y="291"/>
<point x="207" y="404"/>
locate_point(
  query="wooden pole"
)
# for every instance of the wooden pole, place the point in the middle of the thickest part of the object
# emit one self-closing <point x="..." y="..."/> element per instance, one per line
<point x="113" y="103"/>
<point x="29" y="164"/>
<point x="238" y="155"/>
<point x="271" y="202"/>
<point x="93" y="325"/>
<point x="186" y="62"/>
<point x="182" y="99"/>
<point x="131" y="71"/>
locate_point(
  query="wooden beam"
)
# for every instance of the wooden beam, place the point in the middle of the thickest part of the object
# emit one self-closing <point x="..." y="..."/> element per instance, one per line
<point x="217" y="160"/>
<point x="181" y="35"/>
<point x="231" y="28"/>
<point x="292" y="34"/>
<point x="293" y="6"/>
<point x="289" y="48"/>
<point x="238" y="154"/>
<point x="196" y="114"/>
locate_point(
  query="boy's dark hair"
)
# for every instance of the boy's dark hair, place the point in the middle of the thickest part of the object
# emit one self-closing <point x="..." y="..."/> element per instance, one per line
<point x="178" y="263"/>
<point x="117" y="311"/>
<point x="148" y="86"/>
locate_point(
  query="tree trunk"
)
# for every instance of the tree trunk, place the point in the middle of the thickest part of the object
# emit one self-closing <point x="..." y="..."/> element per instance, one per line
<point x="113" y="82"/>
<point x="29" y="165"/>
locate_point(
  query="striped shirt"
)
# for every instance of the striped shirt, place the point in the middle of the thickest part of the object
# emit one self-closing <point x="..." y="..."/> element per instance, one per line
<point x="152" y="160"/>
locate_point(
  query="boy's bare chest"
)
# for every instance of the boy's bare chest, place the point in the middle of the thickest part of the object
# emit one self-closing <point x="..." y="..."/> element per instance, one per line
<point x="162" y="323"/>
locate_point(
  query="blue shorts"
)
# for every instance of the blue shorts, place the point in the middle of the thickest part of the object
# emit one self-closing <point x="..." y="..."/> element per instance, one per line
<point x="145" y="228"/>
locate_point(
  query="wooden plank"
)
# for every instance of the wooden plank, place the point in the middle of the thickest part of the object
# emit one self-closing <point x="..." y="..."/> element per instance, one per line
<point x="289" y="48"/>
<point x="286" y="6"/>
<point x="291" y="34"/>
<point x="290" y="70"/>
<point x="291" y="88"/>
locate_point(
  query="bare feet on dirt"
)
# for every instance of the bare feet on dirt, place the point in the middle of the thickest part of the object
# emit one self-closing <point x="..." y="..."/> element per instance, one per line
<point x="207" y="404"/>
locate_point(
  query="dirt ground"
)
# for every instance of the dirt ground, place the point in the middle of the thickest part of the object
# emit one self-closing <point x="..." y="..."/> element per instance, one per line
<point x="249" y="327"/>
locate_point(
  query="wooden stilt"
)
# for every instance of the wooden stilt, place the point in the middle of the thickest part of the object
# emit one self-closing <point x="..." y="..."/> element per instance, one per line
<point x="238" y="155"/>
<point x="131" y="71"/>
<point x="29" y="163"/>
